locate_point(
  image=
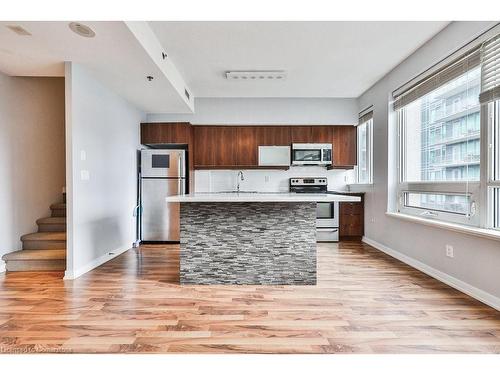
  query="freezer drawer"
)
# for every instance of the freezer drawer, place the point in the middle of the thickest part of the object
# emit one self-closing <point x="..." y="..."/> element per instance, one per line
<point x="159" y="219"/>
<point x="327" y="234"/>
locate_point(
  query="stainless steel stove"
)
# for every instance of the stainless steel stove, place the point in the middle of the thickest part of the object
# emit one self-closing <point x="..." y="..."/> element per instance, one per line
<point x="327" y="213"/>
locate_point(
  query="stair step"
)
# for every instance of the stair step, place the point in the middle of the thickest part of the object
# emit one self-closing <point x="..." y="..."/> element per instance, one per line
<point x="51" y="220"/>
<point x="58" y="209"/>
<point x="51" y="224"/>
<point x="36" y="260"/>
<point x="44" y="254"/>
<point x="58" y="206"/>
<point x="44" y="240"/>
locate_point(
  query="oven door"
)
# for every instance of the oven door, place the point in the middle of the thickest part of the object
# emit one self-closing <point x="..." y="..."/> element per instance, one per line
<point x="327" y="214"/>
<point x="327" y="234"/>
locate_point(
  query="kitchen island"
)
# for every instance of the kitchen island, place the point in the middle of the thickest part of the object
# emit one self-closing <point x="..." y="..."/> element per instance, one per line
<point x="249" y="238"/>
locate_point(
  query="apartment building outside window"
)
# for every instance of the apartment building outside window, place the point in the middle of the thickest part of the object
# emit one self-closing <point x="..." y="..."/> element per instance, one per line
<point x="441" y="127"/>
<point x="440" y="151"/>
<point x="364" y="169"/>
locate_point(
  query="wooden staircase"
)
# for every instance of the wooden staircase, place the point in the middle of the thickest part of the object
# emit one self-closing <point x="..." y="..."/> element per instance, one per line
<point x="44" y="250"/>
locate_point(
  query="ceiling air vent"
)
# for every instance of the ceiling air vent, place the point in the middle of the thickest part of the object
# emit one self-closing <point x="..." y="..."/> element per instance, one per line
<point x="19" y="30"/>
<point x="256" y="75"/>
<point x="81" y="29"/>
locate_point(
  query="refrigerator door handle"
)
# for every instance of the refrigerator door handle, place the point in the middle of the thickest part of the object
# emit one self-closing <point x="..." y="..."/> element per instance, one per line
<point x="180" y="163"/>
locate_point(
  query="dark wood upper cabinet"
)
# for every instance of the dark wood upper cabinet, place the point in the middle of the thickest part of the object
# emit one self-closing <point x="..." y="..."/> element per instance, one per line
<point x="203" y="146"/>
<point x="322" y="134"/>
<point x="301" y="134"/>
<point x="166" y="132"/>
<point x="344" y="146"/>
<point x="237" y="146"/>
<point x="273" y="135"/>
<point x="247" y="146"/>
<point x="224" y="140"/>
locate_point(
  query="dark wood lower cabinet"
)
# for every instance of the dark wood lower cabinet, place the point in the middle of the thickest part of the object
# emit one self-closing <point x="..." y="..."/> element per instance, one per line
<point x="352" y="219"/>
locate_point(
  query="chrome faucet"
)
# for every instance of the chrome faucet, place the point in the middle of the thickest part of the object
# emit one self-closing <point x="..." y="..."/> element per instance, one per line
<point x="239" y="179"/>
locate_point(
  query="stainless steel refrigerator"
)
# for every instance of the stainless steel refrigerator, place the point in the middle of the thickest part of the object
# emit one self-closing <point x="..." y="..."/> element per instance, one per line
<point x="162" y="174"/>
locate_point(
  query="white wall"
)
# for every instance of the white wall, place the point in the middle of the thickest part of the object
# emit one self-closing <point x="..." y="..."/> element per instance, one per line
<point x="32" y="171"/>
<point x="258" y="111"/>
<point x="105" y="127"/>
<point x="477" y="260"/>
<point x="268" y="180"/>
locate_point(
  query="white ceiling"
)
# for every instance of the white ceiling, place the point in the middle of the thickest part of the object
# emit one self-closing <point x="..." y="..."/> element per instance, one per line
<point x="323" y="59"/>
<point x="115" y="57"/>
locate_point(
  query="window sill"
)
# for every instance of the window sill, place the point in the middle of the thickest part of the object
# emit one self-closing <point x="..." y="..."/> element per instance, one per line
<point x="478" y="232"/>
<point x="359" y="188"/>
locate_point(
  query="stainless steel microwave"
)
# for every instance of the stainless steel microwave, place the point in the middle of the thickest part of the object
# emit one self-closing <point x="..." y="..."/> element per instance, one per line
<point x="311" y="154"/>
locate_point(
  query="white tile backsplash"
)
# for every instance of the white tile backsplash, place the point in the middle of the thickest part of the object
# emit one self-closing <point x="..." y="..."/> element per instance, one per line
<point x="268" y="180"/>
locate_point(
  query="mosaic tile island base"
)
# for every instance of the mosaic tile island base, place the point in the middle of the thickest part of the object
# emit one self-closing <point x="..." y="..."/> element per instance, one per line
<point x="248" y="243"/>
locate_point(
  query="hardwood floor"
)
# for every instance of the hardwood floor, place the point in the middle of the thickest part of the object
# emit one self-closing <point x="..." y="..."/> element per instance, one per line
<point x="365" y="302"/>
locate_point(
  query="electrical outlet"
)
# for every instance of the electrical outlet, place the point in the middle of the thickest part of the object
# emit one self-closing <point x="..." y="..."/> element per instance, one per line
<point x="449" y="251"/>
<point x="372" y="220"/>
<point x="266" y="178"/>
<point x="84" y="175"/>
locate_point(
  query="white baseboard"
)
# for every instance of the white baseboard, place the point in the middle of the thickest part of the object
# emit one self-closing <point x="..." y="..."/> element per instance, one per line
<point x="71" y="275"/>
<point x="460" y="285"/>
<point x="2" y="266"/>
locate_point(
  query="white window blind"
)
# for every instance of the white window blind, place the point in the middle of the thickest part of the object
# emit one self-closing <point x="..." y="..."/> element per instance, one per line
<point x="365" y="115"/>
<point x="448" y="73"/>
<point x="490" y="70"/>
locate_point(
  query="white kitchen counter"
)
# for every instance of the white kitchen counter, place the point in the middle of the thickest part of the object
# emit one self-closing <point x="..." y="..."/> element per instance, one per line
<point x="261" y="197"/>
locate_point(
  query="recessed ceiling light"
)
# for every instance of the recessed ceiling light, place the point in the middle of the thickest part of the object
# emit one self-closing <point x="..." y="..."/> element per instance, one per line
<point x="19" y="30"/>
<point x="256" y="75"/>
<point x="81" y="29"/>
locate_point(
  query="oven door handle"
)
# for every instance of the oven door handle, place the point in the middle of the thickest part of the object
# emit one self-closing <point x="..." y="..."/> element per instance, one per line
<point x="327" y="229"/>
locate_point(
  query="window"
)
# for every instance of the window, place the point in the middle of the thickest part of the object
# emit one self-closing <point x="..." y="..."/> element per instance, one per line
<point x="494" y="164"/>
<point x="490" y="100"/>
<point x="439" y="147"/>
<point x="449" y="141"/>
<point x="364" y="169"/>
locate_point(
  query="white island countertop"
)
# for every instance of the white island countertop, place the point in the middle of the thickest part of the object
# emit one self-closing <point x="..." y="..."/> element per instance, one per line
<point x="261" y="197"/>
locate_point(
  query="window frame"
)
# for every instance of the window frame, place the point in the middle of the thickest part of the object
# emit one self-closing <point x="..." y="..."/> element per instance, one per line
<point x="491" y="120"/>
<point x="483" y="190"/>
<point x="369" y="151"/>
<point x="469" y="188"/>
